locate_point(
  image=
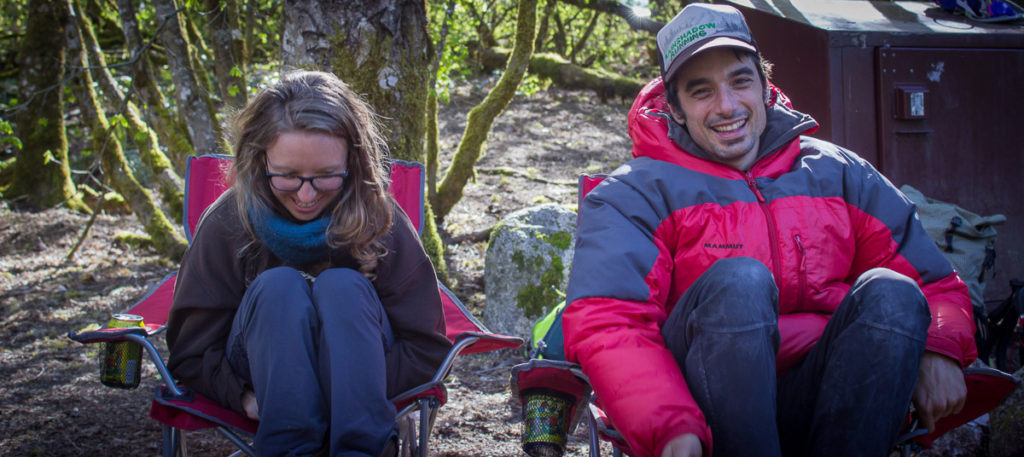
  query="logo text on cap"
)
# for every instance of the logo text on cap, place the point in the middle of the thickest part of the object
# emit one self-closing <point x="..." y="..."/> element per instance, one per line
<point x="697" y="31"/>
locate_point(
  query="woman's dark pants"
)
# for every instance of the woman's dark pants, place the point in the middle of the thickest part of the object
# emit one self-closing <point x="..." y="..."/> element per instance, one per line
<point x="315" y="357"/>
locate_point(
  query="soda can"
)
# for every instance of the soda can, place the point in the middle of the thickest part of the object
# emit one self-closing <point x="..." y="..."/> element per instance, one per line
<point x="546" y="421"/>
<point x="121" y="363"/>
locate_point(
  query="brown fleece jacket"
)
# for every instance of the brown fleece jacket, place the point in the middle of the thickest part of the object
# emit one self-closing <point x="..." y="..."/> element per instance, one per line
<point x="215" y="273"/>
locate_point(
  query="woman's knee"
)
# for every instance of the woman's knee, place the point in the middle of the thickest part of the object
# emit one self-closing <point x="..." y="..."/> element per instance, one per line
<point x="348" y="287"/>
<point x="280" y="287"/>
<point x="276" y="301"/>
<point x="278" y="279"/>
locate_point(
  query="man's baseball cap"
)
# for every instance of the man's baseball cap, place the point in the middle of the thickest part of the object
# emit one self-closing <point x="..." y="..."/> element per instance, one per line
<point x="697" y="28"/>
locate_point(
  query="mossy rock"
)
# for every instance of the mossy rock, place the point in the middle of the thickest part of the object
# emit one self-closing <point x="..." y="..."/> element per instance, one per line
<point x="527" y="266"/>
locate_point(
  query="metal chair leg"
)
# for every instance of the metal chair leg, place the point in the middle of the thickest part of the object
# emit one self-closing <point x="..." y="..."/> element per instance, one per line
<point x="595" y="443"/>
<point x="171" y="441"/>
<point x="426" y="417"/>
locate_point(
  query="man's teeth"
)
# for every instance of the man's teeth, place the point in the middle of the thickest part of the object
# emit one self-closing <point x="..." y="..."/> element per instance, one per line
<point x="730" y="127"/>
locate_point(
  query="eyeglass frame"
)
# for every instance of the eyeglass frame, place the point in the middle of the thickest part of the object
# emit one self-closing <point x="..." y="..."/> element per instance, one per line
<point x="302" y="180"/>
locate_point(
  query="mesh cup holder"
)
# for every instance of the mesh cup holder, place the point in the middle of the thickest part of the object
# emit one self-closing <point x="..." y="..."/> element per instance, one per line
<point x="546" y="416"/>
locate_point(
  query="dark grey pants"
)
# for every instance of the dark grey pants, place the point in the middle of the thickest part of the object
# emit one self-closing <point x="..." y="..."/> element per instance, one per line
<point x="848" y="397"/>
<point x="315" y="357"/>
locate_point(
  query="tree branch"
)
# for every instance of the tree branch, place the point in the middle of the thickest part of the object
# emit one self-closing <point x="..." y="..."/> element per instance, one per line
<point x="614" y="7"/>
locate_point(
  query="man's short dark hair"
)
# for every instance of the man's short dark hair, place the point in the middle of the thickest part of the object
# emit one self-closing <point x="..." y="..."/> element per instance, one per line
<point x="764" y="71"/>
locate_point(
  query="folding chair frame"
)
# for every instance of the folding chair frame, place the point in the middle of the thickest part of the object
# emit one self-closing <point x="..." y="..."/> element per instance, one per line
<point x="986" y="388"/>
<point x="177" y="407"/>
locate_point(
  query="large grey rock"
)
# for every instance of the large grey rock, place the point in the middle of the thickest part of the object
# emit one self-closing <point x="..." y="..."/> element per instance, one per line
<point x="527" y="266"/>
<point x="1006" y="424"/>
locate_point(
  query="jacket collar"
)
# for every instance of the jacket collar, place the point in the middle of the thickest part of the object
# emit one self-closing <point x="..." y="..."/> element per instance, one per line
<point x="656" y="135"/>
<point x="782" y="126"/>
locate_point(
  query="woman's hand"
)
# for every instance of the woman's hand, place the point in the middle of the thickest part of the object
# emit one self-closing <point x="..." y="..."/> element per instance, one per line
<point x="252" y="410"/>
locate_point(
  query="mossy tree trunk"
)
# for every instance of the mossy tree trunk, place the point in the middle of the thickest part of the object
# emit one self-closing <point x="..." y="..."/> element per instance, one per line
<point x="116" y="171"/>
<point x="172" y="191"/>
<point x="200" y="52"/>
<point x="193" y="103"/>
<point x="229" y="64"/>
<point x="171" y="133"/>
<point x="481" y="117"/>
<point x="383" y="50"/>
<point x="41" y="173"/>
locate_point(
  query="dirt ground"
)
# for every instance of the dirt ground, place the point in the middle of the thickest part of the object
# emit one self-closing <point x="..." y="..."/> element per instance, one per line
<point x="51" y="401"/>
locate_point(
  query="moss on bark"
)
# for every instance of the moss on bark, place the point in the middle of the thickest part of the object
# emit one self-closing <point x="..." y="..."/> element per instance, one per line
<point x="117" y="173"/>
<point x="41" y="174"/>
<point x="169" y="184"/>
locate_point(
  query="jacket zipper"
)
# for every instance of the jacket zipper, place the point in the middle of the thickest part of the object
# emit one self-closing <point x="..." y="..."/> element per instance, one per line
<point x="772" y="237"/>
<point x="802" y="269"/>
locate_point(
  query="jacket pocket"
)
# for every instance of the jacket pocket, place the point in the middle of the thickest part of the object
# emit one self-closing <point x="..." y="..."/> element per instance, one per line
<point x="801" y="262"/>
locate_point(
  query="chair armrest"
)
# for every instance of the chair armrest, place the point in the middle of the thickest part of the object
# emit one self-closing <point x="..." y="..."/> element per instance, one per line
<point x="107" y="334"/>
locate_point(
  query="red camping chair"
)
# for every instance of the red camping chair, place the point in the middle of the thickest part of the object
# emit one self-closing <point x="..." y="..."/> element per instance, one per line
<point x="986" y="389"/>
<point x="178" y="408"/>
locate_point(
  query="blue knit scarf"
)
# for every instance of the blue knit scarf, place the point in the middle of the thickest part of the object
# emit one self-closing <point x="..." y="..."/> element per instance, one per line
<point x="295" y="244"/>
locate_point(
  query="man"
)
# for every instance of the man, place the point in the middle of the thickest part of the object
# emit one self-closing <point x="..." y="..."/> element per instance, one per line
<point x="743" y="282"/>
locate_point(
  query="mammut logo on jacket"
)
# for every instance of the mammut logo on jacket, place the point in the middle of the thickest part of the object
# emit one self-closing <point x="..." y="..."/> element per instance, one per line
<point x="723" y="245"/>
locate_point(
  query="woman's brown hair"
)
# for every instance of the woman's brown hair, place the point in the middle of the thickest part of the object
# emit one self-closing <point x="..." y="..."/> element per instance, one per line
<point x="314" y="101"/>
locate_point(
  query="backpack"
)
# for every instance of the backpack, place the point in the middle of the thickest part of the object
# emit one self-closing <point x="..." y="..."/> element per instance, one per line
<point x="965" y="238"/>
<point x="546" y="340"/>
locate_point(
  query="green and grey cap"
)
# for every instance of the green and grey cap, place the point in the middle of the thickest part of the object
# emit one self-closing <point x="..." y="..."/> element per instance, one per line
<point x="699" y="27"/>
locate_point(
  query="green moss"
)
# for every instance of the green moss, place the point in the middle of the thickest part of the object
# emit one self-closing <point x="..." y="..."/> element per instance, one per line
<point x="536" y="299"/>
<point x="134" y="240"/>
<point x="560" y="240"/>
<point x="434" y="248"/>
<point x="519" y="260"/>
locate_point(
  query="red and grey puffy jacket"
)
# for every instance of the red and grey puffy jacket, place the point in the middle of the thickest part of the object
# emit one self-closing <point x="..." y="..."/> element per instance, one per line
<point x="814" y="213"/>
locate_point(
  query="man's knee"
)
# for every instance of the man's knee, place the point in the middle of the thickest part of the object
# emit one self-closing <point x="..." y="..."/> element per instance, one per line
<point x="744" y="291"/>
<point x="742" y="271"/>
<point x="893" y="300"/>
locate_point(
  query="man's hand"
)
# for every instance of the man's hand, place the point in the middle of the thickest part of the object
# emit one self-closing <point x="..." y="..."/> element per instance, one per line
<point x="687" y="445"/>
<point x="249" y="404"/>
<point x="940" y="389"/>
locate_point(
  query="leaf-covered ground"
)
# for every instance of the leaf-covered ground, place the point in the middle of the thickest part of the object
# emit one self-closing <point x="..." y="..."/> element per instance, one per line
<point x="51" y="401"/>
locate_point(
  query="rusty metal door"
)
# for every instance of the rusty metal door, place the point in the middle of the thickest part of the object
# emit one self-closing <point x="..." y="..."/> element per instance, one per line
<point x="951" y="123"/>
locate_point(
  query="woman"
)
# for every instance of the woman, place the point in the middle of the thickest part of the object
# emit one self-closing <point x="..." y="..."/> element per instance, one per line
<point x="305" y="299"/>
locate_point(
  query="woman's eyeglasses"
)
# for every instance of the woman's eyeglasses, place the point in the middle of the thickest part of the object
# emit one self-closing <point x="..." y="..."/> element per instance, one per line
<point x="321" y="183"/>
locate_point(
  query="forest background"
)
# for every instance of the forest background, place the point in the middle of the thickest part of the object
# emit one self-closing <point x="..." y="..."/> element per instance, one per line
<point x="102" y="101"/>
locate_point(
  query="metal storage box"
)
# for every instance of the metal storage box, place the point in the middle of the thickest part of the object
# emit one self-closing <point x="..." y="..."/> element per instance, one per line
<point x="932" y="99"/>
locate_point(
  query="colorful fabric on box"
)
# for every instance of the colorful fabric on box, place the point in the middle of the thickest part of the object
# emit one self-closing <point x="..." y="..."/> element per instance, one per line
<point x="817" y="215"/>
